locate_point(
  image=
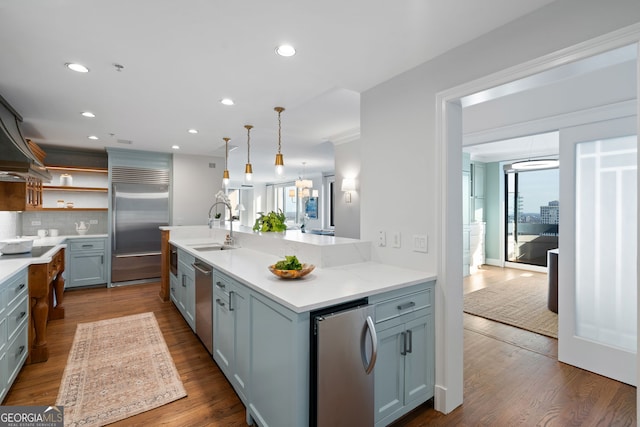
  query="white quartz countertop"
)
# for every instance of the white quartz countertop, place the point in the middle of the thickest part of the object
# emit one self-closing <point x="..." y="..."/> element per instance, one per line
<point x="321" y="288"/>
<point x="9" y="265"/>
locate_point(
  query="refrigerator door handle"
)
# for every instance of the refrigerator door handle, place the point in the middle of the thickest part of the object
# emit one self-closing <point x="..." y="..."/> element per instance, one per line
<point x="374" y="345"/>
<point x="113" y="219"/>
<point x="138" y="254"/>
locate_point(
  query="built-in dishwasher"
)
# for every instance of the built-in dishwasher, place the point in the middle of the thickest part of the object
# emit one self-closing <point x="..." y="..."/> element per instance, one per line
<point x="204" y="304"/>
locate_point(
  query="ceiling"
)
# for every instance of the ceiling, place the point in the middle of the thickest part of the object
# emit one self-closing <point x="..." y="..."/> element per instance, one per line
<point x="160" y="67"/>
<point x="561" y="97"/>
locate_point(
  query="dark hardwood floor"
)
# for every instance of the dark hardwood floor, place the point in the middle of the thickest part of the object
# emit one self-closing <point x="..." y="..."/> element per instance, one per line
<point x="511" y="377"/>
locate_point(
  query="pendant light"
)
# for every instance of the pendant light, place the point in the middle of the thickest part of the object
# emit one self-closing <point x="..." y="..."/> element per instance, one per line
<point x="248" y="169"/>
<point x="225" y="174"/>
<point x="279" y="159"/>
<point x="535" y="164"/>
<point x="304" y="185"/>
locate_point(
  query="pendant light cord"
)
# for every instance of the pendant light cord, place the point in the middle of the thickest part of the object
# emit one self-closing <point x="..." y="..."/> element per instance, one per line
<point x="248" y="143"/>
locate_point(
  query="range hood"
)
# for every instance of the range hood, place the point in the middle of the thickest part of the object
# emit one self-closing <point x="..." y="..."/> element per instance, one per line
<point x="17" y="161"/>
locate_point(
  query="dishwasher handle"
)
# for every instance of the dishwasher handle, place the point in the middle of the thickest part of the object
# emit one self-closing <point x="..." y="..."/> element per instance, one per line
<point x="374" y="346"/>
<point x="200" y="269"/>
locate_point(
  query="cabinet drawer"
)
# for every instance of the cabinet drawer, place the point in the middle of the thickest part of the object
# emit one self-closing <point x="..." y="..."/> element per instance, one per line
<point x="221" y="283"/>
<point x="17" y="353"/>
<point x="17" y="317"/>
<point x="86" y="244"/>
<point x="185" y="257"/>
<point x="3" y="334"/>
<point x="16" y="288"/>
<point x="402" y="305"/>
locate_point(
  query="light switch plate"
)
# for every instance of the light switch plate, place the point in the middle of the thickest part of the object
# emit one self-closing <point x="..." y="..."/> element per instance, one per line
<point x="382" y="238"/>
<point x="395" y="239"/>
<point x="420" y="243"/>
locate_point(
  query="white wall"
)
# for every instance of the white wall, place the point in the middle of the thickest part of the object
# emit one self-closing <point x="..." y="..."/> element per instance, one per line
<point x="347" y="215"/>
<point x="401" y="175"/>
<point x="195" y="185"/>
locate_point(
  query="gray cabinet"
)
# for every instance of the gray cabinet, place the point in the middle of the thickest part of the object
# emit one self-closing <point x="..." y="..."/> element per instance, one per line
<point x="183" y="292"/>
<point x="14" y="316"/>
<point x="86" y="262"/>
<point x="405" y="369"/>
<point x="231" y="331"/>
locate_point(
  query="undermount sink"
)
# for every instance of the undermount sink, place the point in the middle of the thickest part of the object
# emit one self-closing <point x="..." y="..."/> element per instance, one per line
<point x="214" y="247"/>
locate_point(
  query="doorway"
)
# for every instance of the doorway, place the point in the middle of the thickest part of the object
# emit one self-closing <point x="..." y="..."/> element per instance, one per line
<point x="449" y="139"/>
<point x="532" y="215"/>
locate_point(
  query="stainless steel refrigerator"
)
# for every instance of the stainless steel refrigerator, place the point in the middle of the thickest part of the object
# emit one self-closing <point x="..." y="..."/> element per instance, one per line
<point x="139" y="206"/>
<point x="343" y="354"/>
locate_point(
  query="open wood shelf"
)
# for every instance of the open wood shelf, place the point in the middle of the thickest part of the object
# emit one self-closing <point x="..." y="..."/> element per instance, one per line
<point x="71" y="209"/>
<point x="71" y="188"/>
<point x="77" y="169"/>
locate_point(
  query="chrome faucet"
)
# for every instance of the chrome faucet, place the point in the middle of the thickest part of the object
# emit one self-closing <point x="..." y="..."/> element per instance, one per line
<point x="228" y="205"/>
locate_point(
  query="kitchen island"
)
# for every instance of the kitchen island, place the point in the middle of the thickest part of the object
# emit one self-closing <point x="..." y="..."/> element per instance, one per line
<point x="44" y="276"/>
<point x="261" y="323"/>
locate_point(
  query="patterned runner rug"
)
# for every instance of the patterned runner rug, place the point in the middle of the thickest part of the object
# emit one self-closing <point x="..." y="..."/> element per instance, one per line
<point x="518" y="303"/>
<point x="117" y="368"/>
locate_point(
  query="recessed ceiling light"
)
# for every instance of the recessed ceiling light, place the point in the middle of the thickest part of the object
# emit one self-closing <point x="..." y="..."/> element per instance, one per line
<point x="88" y="114"/>
<point x="76" y="67"/>
<point x="175" y="147"/>
<point x="193" y="131"/>
<point x="93" y="137"/>
<point x="285" y="50"/>
<point x="227" y="101"/>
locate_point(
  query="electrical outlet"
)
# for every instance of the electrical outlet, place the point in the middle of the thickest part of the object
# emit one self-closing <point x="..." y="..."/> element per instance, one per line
<point x="36" y="223"/>
<point x="420" y="243"/>
<point x="395" y="238"/>
<point x="93" y="221"/>
<point x="382" y="238"/>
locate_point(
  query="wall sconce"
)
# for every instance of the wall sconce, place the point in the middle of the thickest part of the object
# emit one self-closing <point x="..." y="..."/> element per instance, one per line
<point x="292" y="194"/>
<point x="348" y="185"/>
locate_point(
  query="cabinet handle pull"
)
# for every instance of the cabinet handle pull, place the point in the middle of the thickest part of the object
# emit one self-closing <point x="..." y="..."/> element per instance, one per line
<point x="220" y="303"/>
<point x="230" y="308"/>
<point x="183" y="277"/>
<point x="410" y="339"/>
<point x="406" y="305"/>
<point x="22" y="314"/>
<point x="87" y="246"/>
<point x="20" y="350"/>
<point x="22" y="285"/>
<point x="101" y="259"/>
<point x="404" y="344"/>
<point x="220" y="285"/>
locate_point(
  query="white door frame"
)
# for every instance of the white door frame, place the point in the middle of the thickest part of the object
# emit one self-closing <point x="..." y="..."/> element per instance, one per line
<point x="449" y="340"/>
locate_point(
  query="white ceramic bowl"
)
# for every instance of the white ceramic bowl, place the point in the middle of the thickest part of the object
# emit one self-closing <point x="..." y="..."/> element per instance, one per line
<point x="16" y="246"/>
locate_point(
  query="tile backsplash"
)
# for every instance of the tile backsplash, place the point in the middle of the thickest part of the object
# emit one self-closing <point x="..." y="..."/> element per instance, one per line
<point x="8" y="225"/>
<point x="64" y="221"/>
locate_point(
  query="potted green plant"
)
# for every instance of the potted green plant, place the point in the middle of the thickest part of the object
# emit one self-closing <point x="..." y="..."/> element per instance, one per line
<point x="273" y="221"/>
<point x="217" y="218"/>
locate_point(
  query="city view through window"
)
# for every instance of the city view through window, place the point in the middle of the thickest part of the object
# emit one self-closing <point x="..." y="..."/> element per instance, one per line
<point x="532" y="217"/>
